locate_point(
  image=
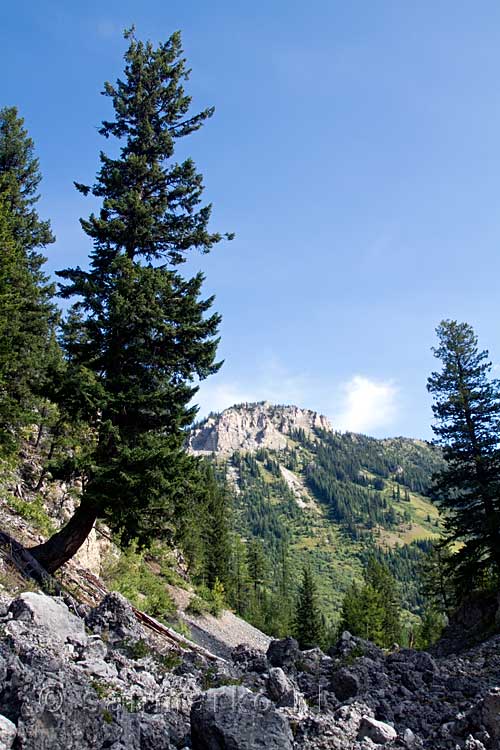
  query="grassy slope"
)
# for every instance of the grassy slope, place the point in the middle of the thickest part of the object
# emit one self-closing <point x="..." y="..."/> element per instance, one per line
<point x="334" y="554"/>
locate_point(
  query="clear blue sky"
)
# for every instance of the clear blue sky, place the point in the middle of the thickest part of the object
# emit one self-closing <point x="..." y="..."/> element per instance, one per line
<point x="355" y="151"/>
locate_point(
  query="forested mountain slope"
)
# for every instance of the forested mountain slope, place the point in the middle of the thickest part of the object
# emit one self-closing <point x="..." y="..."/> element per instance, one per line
<point x="323" y="496"/>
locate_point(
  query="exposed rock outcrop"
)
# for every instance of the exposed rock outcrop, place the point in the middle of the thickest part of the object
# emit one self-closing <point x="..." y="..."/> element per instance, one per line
<point x="252" y="426"/>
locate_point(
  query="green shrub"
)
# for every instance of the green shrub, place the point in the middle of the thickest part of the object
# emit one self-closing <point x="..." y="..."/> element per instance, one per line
<point x="170" y="660"/>
<point x="132" y="577"/>
<point x="163" y="556"/>
<point x="218" y="598"/>
<point x="181" y="627"/>
<point x="208" y="600"/>
<point x="137" y="649"/>
<point x="101" y="689"/>
<point x="34" y="512"/>
<point x="198" y="606"/>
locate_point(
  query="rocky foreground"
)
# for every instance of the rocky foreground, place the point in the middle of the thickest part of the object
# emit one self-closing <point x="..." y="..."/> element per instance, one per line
<point x="92" y="680"/>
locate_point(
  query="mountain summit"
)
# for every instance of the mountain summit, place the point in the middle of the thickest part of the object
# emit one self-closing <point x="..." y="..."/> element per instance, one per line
<point x="248" y="427"/>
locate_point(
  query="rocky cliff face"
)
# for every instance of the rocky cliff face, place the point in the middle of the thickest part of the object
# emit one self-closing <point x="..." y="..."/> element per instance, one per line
<point x="248" y="427"/>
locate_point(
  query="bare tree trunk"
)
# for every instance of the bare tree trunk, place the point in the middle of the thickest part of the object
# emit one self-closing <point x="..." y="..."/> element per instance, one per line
<point x="65" y="543"/>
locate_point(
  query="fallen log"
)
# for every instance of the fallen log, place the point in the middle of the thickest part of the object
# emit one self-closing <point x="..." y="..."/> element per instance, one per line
<point x="158" y="627"/>
<point x="31" y="568"/>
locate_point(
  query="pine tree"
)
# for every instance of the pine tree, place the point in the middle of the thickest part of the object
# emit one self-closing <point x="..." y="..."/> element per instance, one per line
<point x="258" y="566"/>
<point x="216" y="527"/>
<point x="467" y="412"/>
<point x="239" y="578"/>
<point x="373" y="611"/>
<point x="363" y="614"/>
<point x="379" y="578"/>
<point x="430" y="628"/>
<point x="309" y="628"/>
<point x="436" y="585"/>
<point x="139" y="327"/>
<point x="284" y="598"/>
<point x="19" y="180"/>
<point x="28" y="316"/>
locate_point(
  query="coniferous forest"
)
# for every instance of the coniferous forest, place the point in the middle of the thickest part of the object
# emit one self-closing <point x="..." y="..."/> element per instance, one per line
<point x="99" y="371"/>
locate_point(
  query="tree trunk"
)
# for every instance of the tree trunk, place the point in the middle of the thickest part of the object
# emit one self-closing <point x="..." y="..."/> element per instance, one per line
<point x="65" y="543"/>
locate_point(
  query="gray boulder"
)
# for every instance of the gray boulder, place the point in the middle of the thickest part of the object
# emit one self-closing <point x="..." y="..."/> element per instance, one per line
<point x="491" y="713"/>
<point x="115" y="616"/>
<point x="350" y="646"/>
<point x="424" y="662"/>
<point x="378" y="731"/>
<point x="8" y="732"/>
<point x="49" y="615"/>
<point x="279" y="686"/>
<point x="473" y="744"/>
<point x="345" y="684"/>
<point x="249" y="659"/>
<point x="282" y="691"/>
<point x="283" y="653"/>
<point x="234" y="718"/>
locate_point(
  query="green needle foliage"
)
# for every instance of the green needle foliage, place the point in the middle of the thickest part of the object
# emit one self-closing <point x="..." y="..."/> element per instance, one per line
<point x="309" y="626"/>
<point x="373" y="611"/>
<point x="19" y="181"/>
<point x="27" y="314"/>
<point x="139" y="333"/>
<point x="467" y="412"/>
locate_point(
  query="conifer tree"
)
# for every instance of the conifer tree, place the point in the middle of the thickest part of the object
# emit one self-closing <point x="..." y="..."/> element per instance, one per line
<point x="436" y="584"/>
<point x="140" y="328"/>
<point x="309" y="629"/>
<point x="430" y="628"/>
<point x="373" y="611"/>
<point x="258" y="566"/>
<point x="379" y="578"/>
<point x="19" y="180"/>
<point x="216" y="527"/>
<point x="284" y="597"/>
<point x="27" y="314"/>
<point x="467" y="412"/>
<point x="239" y="578"/>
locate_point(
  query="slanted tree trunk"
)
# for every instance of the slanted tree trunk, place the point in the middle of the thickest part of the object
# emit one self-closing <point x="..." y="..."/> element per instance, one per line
<point x="65" y="543"/>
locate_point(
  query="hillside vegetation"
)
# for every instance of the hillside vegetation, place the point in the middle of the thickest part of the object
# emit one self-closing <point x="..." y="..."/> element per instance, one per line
<point x="324" y="498"/>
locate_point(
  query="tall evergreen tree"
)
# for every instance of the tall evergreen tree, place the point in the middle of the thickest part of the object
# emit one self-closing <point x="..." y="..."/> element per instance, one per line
<point x="467" y="412"/>
<point x="309" y="629"/>
<point x="380" y="579"/>
<point x="19" y="180"/>
<point x="239" y="578"/>
<point x="138" y="326"/>
<point x="257" y="565"/>
<point x="27" y="313"/>
<point x="284" y="595"/>
<point x="363" y="614"/>
<point x="216" y="527"/>
<point x="373" y="611"/>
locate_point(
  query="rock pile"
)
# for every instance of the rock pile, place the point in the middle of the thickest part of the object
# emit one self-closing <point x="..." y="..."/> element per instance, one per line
<point x="95" y="683"/>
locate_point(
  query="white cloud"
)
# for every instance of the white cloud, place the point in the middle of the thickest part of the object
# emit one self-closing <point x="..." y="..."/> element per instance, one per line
<point x="368" y="405"/>
<point x="361" y="404"/>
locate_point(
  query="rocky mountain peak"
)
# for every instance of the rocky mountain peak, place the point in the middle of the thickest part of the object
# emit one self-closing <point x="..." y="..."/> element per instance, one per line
<point x="248" y="427"/>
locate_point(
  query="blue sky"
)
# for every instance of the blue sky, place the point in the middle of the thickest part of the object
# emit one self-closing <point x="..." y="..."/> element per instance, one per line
<point x="355" y="151"/>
